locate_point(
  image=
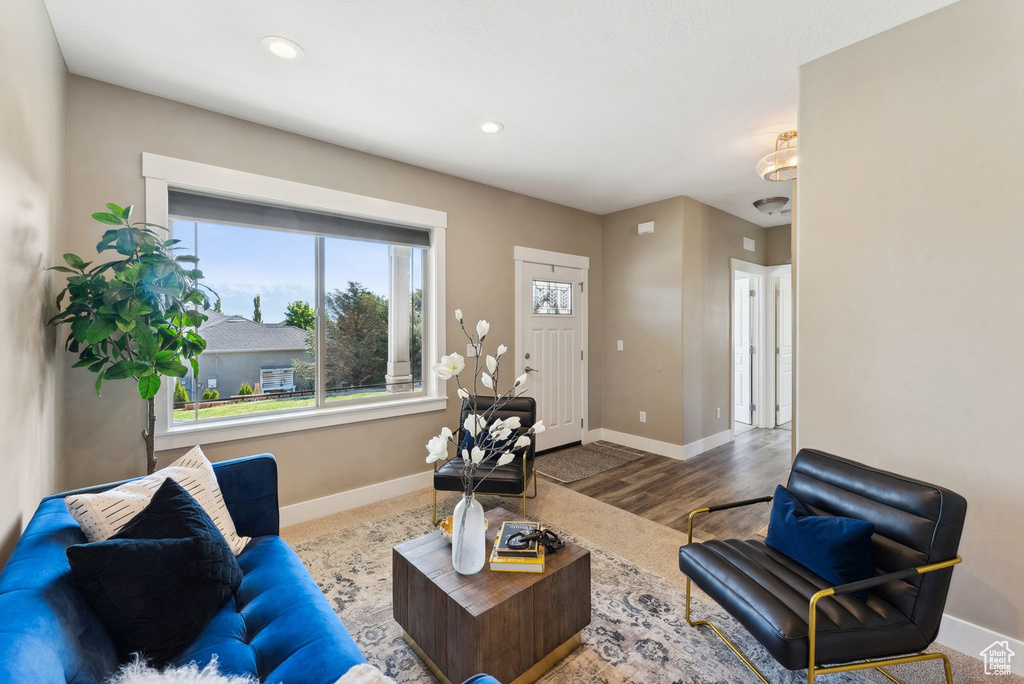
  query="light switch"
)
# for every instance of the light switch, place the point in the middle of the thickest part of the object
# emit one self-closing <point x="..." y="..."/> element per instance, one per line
<point x="643" y="416"/>
<point x="619" y="345"/>
<point x="470" y="351"/>
<point x="748" y="244"/>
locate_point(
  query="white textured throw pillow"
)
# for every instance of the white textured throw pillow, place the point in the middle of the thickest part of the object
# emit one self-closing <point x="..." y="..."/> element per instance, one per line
<point x="103" y="514"/>
<point x="365" y="674"/>
<point x="139" y="672"/>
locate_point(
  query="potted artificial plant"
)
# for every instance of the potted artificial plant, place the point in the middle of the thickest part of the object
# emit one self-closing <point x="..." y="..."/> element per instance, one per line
<point x="130" y="316"/>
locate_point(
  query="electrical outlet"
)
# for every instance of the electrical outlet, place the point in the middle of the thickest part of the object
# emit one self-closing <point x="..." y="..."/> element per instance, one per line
<point x="643" y="416"/>
<point x="718" y="412"/>
<point x="619" y="345"/>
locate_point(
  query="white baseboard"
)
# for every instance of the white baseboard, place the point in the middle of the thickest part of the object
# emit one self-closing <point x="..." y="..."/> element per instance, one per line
<point x="637" y="442"/>
<point x="353" y="498"/>
<point x="661" y="448"/>
<point x="707" y="444"/>
<point x="972" y="639"/>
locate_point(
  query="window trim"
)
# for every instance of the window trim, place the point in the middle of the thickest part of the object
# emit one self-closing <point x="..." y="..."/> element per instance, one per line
<point x="161" y="173"/>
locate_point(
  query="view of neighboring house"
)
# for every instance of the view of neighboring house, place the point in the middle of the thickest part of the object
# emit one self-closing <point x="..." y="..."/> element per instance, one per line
<point x="241" y="351"/>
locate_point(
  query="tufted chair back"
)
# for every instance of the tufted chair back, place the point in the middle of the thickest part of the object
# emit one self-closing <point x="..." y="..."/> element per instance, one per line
<point x="524" y="407"/>
<point x="915" y="524"/>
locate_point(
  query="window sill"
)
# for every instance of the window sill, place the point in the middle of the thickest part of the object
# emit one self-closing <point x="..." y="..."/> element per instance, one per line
<point x="293" y="421"/>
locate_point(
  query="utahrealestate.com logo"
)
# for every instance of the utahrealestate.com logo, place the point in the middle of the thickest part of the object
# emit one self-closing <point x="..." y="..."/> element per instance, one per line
<point x="997" y="658"/>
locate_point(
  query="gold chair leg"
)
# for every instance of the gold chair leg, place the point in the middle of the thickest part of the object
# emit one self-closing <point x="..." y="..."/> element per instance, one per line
<point x="720" y="635"/>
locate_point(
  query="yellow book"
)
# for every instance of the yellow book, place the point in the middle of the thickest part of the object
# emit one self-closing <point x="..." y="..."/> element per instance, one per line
<point x="501" y="564"/>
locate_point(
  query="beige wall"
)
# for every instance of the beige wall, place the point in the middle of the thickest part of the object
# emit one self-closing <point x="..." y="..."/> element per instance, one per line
<point x="910" y="298"/>
<point x="666" y="296"/>
<point x="33" y="118"/>
<point x="110" y="127"/>
<point x="778" y="245"/>
<point x="643" y="307"/>
<point x="711" y="238"/>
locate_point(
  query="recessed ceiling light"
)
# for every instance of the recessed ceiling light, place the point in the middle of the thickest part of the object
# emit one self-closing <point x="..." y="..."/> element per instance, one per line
<point x="492" y="127"/>
<point x="282" y="47"/>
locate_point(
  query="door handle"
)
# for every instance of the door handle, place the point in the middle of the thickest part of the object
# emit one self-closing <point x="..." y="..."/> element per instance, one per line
<point x="531" y="370"/>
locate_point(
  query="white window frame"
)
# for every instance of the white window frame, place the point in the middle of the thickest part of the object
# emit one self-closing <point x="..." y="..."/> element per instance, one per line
<point x="164" y="173"/>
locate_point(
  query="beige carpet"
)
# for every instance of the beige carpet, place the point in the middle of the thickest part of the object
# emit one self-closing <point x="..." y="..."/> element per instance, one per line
<point x="636" y="596"/>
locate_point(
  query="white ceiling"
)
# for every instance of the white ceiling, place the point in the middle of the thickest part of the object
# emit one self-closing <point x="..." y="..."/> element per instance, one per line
<point x="607" y="104"/>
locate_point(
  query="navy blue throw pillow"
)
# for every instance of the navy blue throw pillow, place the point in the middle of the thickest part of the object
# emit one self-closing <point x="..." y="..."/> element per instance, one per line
<point x="157" y="582"/>
<point x="835" y="548"/>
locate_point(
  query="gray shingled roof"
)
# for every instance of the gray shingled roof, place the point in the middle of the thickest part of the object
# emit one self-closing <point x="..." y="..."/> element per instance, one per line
<point x="234" y="333"/>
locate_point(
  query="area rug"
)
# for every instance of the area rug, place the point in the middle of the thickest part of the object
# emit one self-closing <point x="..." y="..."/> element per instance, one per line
<point x="580" y="462"/>
<point x="638" y="634"/>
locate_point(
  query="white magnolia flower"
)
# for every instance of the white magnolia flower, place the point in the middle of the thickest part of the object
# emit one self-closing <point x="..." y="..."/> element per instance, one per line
<point x="450" y="365"/>
<point x="520" y="380"/>
<point x="473" y="424"/>
<point x="465" y="455"/>
<point x="522" y="442"/>
<point x="513" y="422"/>
<point x="463" y="394"/>
<point x="446" y="433"/>
<point x="492" y="364"/>
<point x="538" y="427"/>
<point x="501" y="430"/>
<point x="487" y="381"/>
<point x="506" y="458"/>
<point x="477" y="456"/>
<point x="501" y="349"/>
<point x="437" y="448"/>
<point x="482" y="328"/>
<point x="458" y="315"/>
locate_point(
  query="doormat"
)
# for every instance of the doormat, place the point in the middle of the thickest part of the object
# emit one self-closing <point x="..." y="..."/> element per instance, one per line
<point x="579" y="462"/>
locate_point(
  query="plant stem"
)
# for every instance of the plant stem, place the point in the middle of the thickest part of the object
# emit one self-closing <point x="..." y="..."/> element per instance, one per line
<point x="149" y="435"/>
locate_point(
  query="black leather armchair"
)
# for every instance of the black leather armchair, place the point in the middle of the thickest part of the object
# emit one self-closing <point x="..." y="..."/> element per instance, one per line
<point x="797" y="616"/>
<point x="511" y="479"/>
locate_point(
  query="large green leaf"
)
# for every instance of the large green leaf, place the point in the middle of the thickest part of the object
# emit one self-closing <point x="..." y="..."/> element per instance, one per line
<point x="115" y="209"/>
<point x="99" y="329"/>
<point x="78" y="328"/>
<point x="172" y="368"/>
<point x="119" y="371"/>
<point x="149" y="386"/>
<point x="75" y="261"/>
<point x="109" y="219"/>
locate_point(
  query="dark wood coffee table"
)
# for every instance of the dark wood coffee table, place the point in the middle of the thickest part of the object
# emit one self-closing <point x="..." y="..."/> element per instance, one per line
<point x="513" y="626"/>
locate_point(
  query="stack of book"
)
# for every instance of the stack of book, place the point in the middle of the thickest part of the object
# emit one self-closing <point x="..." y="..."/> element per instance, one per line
<point x="504" y="559"/>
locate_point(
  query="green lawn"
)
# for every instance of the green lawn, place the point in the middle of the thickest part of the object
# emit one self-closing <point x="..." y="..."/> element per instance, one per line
<point x="249" y="407"/>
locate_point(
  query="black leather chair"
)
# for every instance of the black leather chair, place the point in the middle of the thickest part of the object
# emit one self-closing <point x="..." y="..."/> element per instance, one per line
<point x="511" y="479"/>
<point x="797" y="616"/>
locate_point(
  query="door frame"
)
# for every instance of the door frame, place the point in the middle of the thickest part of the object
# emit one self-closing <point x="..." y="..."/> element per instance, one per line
<point x="758" y="395"/>
<point x="548" y="258"/>
<point x="773" y="273"/>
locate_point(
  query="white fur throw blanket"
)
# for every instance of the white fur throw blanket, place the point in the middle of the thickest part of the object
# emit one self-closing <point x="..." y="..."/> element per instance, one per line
<point x="139" y="672"/>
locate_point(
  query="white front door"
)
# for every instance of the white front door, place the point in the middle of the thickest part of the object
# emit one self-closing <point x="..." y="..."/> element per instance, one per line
<point x="784" y="350"/>
<point x="742" y="338"/>
<point x="552" y="302"/>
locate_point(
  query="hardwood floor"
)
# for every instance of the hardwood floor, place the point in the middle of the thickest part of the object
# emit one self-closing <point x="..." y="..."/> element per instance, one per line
<point x="665" y="490"/>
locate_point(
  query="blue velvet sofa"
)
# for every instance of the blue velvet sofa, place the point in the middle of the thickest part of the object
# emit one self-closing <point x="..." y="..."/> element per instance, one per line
<point x="278" y="625"/>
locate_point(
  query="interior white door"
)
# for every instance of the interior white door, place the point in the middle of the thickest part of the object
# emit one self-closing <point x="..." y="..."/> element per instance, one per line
<point x="784" y="350"/>
<point x="742" y="336"/>
<point x="552" y="301"/>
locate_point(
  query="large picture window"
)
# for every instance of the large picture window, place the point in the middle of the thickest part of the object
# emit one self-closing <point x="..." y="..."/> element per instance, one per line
<point x="311" y="311"/>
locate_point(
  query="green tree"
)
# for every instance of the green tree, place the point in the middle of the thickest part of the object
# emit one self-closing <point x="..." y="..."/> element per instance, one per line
<point x="134" y="316"/>
<point x="356" y="335"/>
<point x="300" y="314"/>
<point x="180" y="395"/>
<point x="257" y="312"/>
<point x="416" y="344"/>
<point x="245" y="389"/>
<point x="211" y="395"/>
<point x="216" y="306"/>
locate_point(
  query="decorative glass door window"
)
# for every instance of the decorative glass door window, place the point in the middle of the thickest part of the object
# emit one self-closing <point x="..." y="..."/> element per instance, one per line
<point x="552" y="298"/>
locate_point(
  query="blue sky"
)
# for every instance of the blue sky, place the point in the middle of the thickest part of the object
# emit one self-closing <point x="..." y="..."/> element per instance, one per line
<point x="242" y="262"/>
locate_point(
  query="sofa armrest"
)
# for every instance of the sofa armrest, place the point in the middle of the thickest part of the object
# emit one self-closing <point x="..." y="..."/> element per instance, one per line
<point x="249" y="487"/>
